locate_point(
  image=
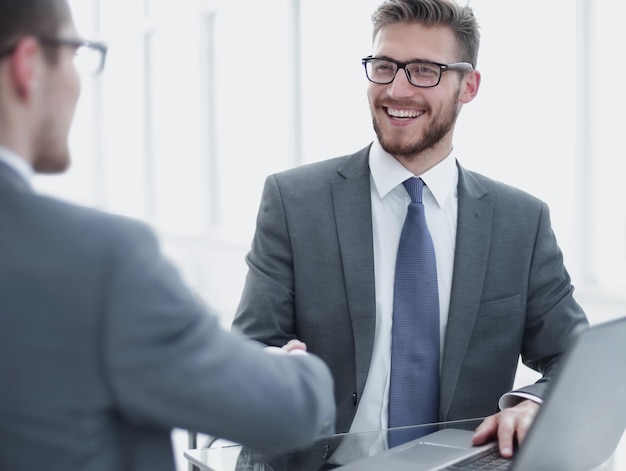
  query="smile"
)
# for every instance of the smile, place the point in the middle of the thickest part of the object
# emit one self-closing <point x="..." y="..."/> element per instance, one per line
<point x="404" y="114"/>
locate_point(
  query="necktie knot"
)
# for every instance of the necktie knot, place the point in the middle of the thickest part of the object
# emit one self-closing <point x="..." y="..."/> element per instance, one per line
<point x="414" y="186"/>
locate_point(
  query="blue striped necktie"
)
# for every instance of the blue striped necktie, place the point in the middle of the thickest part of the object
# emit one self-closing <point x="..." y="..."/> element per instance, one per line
<point x="414" y="382"/>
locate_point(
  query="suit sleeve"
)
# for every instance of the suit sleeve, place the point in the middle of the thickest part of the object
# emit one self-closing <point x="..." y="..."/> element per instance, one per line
<point x="553" y="315"/>
<point x="266" y="310"/>
<point x="167" y="362"/>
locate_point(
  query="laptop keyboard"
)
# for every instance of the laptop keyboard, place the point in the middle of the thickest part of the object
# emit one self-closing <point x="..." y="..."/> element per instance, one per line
<point x="491" y="462"/>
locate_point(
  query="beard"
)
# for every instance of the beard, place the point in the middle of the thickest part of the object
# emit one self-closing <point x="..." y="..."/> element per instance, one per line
<point x="52" y="163"/>
<point x="52" y="156"/>
<point x="431" y="136"/>
<point x="51" y="153"/>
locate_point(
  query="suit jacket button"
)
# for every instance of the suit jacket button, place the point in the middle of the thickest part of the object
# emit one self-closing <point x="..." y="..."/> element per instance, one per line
<point x="325" y="452"/>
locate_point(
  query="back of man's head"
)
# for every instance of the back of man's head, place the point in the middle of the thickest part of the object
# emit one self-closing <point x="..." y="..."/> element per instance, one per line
<point x="19" y="18"/>
<point x="39" y="85"/>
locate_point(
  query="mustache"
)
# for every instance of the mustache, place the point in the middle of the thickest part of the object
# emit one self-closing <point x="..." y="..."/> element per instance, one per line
<point x="390" y="103"/>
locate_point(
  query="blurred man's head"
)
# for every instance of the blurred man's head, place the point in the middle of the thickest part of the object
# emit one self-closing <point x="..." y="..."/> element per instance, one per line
<point x="39" y="85"/>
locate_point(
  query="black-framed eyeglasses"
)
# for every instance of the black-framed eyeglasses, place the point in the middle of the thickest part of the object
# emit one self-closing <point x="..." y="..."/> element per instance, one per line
<point x="89" y="56"/>
<point x="419" y="73"/>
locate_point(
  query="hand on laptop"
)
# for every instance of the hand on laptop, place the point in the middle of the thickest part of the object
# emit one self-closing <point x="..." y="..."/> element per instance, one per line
<point x="507" y="425"/>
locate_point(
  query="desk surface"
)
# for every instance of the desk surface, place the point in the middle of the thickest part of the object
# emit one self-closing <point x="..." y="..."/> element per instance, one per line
<point x="355" y="446"/>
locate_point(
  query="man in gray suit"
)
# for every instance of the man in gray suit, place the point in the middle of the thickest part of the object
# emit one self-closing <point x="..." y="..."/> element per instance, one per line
<point x="103" y="350"/>
<point x="321" y="265"/>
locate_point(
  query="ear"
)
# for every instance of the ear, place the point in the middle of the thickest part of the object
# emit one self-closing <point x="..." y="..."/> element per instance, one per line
<point x="471" y="84"/>
<point x="24" y="65"/>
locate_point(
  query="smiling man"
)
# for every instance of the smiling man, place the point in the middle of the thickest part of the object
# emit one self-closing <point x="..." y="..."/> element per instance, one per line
<point x="332" y="264"/>
<point x="416" y="126"/>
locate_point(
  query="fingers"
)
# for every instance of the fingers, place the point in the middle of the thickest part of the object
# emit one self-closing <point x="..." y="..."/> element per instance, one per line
<point x="528" y="410"/>
<point x="501" y="425"/>
<point x="508" y="425"/>
<point x="506" y="432"/>
<point x="485" y="431"/>
<point x="293" y="345"/>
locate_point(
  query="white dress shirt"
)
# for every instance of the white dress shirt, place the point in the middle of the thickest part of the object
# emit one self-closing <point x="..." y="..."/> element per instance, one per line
<point x="390" y="201"/>
<point x="14" y="161"/>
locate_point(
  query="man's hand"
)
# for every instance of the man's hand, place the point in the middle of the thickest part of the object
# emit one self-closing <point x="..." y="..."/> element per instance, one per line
<point x="507" y="425"/>
<point x="294" y="346"/>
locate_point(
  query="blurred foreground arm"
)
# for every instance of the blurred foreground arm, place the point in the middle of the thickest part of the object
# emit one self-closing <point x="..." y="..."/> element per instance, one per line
<point x="168" y="362"/>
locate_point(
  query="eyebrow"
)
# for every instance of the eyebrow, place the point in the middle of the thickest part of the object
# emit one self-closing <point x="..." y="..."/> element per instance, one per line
<point x="430" y="61"/>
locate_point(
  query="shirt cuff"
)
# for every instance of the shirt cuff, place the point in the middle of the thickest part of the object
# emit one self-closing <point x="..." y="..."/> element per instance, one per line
<point x="513" y="398"/>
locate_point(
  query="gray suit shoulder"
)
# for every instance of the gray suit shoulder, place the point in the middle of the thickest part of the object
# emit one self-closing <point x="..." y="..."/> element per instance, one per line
<point x="88" y="226"/>
<point x="313" y="170"/>
<point x="313" y="175"/>
<point x="497" y="192"/>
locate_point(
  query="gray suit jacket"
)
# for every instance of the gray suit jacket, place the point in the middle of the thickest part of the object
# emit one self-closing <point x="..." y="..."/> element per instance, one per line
<point x="103" y="350"/>
<point x="311" y="276"/>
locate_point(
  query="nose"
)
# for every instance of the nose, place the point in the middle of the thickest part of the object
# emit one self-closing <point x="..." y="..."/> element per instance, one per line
<point x="401" y="87"/>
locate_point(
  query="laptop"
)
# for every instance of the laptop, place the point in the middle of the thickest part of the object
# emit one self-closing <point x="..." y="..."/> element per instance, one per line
<point x="577" y="428"/>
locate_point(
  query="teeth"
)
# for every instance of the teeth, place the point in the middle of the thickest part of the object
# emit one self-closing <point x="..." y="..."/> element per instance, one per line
<point x="404" y="113"/>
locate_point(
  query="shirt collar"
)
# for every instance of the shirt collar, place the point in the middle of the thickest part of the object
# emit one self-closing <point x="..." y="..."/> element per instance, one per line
<point x="388" y="173"/>
<point x="15" y="162"/>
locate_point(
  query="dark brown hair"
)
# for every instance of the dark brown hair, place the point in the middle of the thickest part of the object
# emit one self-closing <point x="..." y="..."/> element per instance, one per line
<point x="19" y="18"/>
<point x="444" y="13"/>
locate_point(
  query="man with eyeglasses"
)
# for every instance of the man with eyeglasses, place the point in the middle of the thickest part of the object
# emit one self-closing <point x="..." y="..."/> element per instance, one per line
<point x="103" y="349"/>
<point x="325" y="258"/>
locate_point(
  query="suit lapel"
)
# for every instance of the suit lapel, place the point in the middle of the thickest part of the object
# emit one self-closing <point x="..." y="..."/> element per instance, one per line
<point x="475" y="218"/>
<point x="352" y="206"/>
